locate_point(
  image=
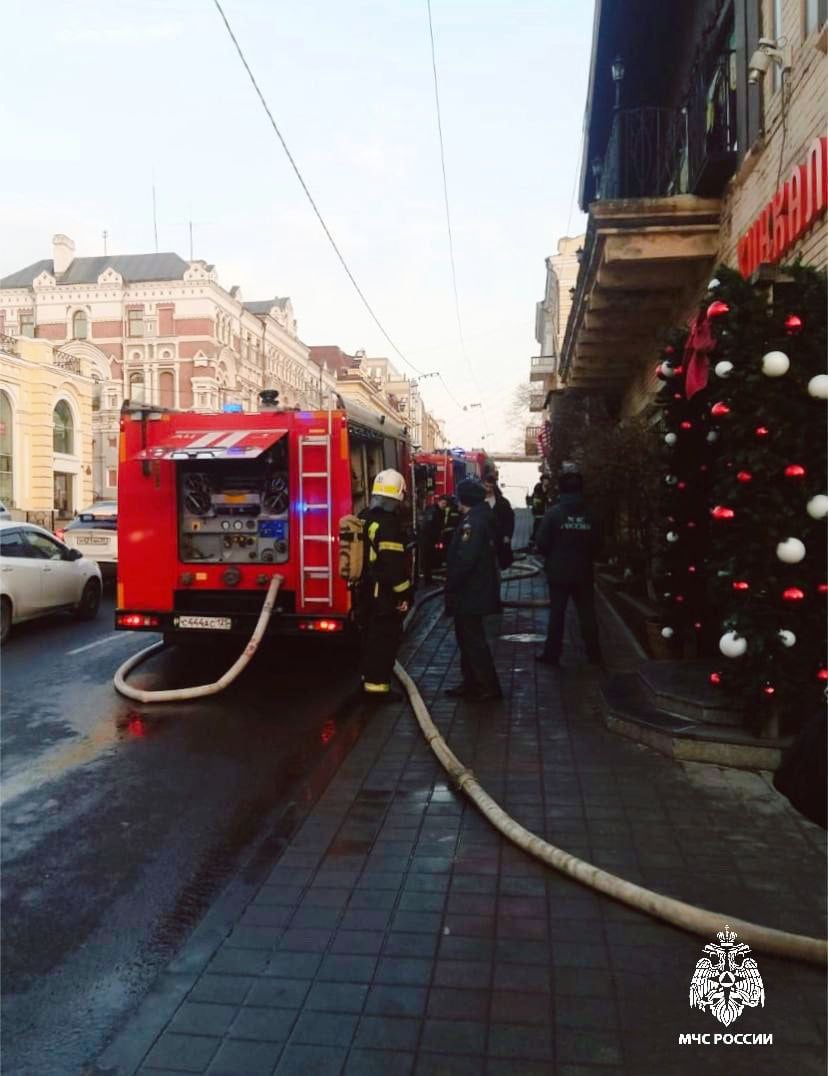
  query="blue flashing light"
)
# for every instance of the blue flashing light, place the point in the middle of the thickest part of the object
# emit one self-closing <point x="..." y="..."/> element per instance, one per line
<point x="232" y="408"/>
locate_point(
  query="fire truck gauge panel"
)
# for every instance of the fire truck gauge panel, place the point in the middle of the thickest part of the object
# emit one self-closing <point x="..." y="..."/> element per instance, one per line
<point x="231" y="512"/>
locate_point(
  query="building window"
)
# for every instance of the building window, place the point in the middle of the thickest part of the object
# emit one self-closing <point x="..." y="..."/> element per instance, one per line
<point x="6" y="450"/>
<point x="63" y="431"/>
<point x="26" y="323"/>
<point x="135" y="322"/>
<point x="111" y="477"/>
<point x="166" y="386"/>
<point x="79" y="325"/>
<point x="112" y="401"/>
<point x="814" y="14"/>
<point x="136" y="388"/>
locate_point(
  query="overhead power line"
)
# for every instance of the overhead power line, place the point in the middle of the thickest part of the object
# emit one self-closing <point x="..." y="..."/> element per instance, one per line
<point x="448" y="211"/>
<point x="308" y="194"/>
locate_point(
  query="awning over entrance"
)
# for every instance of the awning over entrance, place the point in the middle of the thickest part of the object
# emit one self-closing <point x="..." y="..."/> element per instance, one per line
<point x="211" y="445"/>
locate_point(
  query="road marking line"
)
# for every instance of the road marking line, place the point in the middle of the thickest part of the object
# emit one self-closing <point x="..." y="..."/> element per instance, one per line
<point x="98" y="642"/>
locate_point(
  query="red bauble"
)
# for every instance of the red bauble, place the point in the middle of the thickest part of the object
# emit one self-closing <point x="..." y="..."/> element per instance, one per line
<point x="720" y="409"/>
<point x="793" y="594"/>
<point x="794" y="470"/>
<point x="721" y="511"/>
<point x="744" y="476"/>
<point x="691" y="524"/>
<point x="678" y="370"/>
<point x="823" y="588"/>
<point x="686" y="425"/>
<point x="717" y="308"/>
<point x="715" y="678"/>
<point x="697" y="625"/>
<point x="679" y="598"/>
<point x="769" y="689"/>
<point x="681" y="485"/>
<point x="669" y="350"/>
<point x="761" y="431"/>
<point x="822" y="674"/>
<point x="793" y="324"/>
<point x="691" y="568"/>
<point x="676" y="395"/>
<point x="740" y="584"/>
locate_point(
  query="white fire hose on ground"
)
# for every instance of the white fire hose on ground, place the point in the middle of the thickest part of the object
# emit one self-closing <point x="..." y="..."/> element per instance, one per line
<point x="181" y="694"/>
<point x="686" y="916"/>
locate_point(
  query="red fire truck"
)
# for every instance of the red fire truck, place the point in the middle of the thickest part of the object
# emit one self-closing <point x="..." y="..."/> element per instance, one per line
<point x="439" y="473"/>
<point x="211" y="506"/>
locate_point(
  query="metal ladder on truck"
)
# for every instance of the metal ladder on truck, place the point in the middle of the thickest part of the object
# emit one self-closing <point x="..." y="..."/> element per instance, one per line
<point x="316" y="517"/>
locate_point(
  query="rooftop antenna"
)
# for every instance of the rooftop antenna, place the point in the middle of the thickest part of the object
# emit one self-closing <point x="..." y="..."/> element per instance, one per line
<point x="105" y="236"/>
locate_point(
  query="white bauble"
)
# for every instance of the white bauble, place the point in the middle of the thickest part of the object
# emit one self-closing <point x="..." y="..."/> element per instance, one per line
<point x="786" y="638"/>
<point x="732" y="645"/>
<point x="667" y="633"/>
<point x="775" y="364"/>
<point x="667" y="370"/>
<point x="723" y="368"/>
<point x="670" y="479"/>
<point x="672" y="536"/>
<point x="711" y="437"/>
<point x="817" y="507"/>
<point x="670" y="438"/>
<point x="791" y="551"/>
<point x="818" y="387"/>
<point x="714" y="283"/>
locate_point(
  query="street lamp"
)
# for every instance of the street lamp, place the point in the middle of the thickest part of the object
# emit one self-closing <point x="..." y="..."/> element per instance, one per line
<point x="617" y="78"/>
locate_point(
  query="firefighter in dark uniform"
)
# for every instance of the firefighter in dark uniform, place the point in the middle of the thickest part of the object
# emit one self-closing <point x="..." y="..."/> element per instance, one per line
<point x="451" y="517"/>
<point x="473" y="592"/>
<point x="431" y="537"/>
<point x="540" y="504"/>
<point x="385" y="588"/>
<point x="569" y="538"/>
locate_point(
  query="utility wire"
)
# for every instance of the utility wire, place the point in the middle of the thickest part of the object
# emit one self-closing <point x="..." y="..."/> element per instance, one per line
<point x="448" y="213"/>
<point x="304" y="186"/>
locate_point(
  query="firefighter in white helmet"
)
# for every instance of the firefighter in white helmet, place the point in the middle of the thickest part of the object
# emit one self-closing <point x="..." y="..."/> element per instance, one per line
<point x="385" y="588"/>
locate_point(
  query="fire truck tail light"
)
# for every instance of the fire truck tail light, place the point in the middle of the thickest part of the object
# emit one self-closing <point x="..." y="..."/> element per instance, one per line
<point x="320" y="625"/>
<point x="137" y="620"/>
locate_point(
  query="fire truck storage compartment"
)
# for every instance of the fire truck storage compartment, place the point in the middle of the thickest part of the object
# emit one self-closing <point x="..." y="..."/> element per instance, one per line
<point x="235" y="511"/>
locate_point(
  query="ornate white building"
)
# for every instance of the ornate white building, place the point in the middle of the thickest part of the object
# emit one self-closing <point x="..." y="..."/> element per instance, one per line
<point x="158" y="329"/>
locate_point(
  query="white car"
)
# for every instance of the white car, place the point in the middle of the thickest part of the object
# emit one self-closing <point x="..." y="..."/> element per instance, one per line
<point x="41" y="575"/>
<point x="94" y="532"/>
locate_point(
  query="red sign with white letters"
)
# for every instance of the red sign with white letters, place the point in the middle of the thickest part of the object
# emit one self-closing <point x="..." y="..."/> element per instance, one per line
<point x="788" y="215"/>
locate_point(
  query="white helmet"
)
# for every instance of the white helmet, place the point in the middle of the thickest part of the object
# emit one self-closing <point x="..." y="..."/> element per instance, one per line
<point x="389" y="484"/>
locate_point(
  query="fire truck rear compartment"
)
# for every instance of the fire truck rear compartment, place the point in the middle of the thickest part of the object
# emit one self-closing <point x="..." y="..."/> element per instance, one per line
<point x="235" y="511"/>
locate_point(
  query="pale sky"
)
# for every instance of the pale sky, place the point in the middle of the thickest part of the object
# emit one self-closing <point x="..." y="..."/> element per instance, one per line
<point x="106" y="94"/>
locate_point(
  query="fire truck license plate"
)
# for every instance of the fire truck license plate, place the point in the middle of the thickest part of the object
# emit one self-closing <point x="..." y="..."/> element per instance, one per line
<point x="222" y="623"/>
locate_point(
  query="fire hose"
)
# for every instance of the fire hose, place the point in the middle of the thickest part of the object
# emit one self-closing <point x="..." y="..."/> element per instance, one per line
<point x="181" y="694"/>
<point x="680" y="914"/>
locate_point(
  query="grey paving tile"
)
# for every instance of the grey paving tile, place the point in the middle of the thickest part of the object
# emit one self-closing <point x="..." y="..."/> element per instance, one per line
<point x="263" y="1025"/>
<point x="232" y="961"/>
<point x="396" y="1000"/>
<point x="222" y="989"/>
<point x="301" y="1060"/>
<point x="358" y="942"/>
<point x="404" y="970"/>
<point x="236" y="1057"/>
<point x="379" y="1063"/>
<point x="337" y="997"/>
<point x="293" y="965"/>
<point x="517" y="1041"/>
<point x="347" y="969"/>
<point x="597" y="1047"/>
<point x="201" y="1018"/>
<point x="430" y="1064"/>
<point x="325" y="1028"/>
<point x="278" y="993"/>
<point x="454" y="1036"/>
<point x="182" y="1053"/>
<point x="446" y="1003"/>
<point x="469" y="974"/>
<point x="388" y="1032"/>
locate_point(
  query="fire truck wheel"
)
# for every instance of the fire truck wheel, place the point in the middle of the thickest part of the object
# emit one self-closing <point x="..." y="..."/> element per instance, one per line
<point x="5" y="618"/>
<point x="87" y="607"/>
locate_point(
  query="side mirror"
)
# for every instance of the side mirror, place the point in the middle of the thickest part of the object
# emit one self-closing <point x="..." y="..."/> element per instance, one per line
<point x="72" y="554"/>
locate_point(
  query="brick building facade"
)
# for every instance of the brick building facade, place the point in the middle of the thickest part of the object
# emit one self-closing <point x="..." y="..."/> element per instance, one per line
<point x="156" y="328"/>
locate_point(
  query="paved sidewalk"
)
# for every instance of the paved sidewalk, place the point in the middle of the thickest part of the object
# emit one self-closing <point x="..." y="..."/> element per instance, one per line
<point x="399" y="933"/>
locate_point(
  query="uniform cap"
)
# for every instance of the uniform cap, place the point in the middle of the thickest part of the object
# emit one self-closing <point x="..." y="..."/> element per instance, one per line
<point x="470" y="492"/>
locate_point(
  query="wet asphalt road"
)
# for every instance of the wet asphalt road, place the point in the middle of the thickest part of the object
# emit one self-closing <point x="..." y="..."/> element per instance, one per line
<point x="120" y="823"/>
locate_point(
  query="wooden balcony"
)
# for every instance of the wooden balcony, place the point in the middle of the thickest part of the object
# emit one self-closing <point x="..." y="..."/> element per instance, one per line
<point x="645" y="262"/>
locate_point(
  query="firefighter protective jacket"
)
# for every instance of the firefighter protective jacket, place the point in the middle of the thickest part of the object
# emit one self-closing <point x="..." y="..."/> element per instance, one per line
<point x="569" y="538"/>
<point x="472" y="576"/>
<point x="386" y="575"/>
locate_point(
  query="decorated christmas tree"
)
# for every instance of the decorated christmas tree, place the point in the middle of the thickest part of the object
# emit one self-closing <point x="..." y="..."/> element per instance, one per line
<point x="687" y="454"/>
<point x="766" y="561"/>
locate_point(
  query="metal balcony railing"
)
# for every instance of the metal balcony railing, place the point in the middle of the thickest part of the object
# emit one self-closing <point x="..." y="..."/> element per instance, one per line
<point x="712" y="148"/>
<point x="543" y="363"/>
<point x="65" y="361"/>
<point x="643" y="154"/>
